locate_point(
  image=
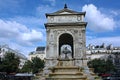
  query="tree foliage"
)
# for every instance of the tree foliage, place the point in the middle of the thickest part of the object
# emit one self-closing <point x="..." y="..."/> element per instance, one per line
<point x="101" y="66"/>
<point x="9" y="63"/>
<point x="33" y="66"/>
<point x="27" y="67"/>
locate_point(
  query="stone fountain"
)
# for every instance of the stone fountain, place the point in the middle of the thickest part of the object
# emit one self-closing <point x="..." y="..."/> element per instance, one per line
<point x="65" y="51"/>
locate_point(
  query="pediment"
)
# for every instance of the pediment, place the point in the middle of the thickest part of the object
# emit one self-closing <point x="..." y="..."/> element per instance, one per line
<point x="65" y="11"/>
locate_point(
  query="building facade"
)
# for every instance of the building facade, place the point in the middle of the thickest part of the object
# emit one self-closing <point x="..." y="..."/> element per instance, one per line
<point x="101" y="51"/>
<point x="6" y="48"/>
<point x="39" y="52"/>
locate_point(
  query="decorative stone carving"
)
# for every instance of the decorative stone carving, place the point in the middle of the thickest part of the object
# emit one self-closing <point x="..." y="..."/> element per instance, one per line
<point x="66" y="52"/>
<point x="75" y="31"/>
<point x="51" y="38"/>
<point x="65" y="19"/>
<point x="79" y="18"/>
<point x="51" y="19"/>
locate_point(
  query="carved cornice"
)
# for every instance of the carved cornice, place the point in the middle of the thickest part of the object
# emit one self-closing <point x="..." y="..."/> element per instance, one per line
<point x="65" y="24"/>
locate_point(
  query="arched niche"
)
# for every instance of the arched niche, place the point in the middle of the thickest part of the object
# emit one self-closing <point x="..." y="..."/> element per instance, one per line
<point x="66" y="39"/>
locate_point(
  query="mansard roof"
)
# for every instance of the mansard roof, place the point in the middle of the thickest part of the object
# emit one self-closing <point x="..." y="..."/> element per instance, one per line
<point x="40" y="48"/>
<point x="65" y="11"/>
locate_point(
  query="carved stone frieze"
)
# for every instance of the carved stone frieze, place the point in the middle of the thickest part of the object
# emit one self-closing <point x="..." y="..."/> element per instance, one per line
<point x="75" y="31"/>
<point x="79" y="18"/>
<point x="64" y="30"/>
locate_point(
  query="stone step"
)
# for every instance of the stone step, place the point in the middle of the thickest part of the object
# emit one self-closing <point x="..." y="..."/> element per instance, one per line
<point x="68" y="78"/>
<point x="67" y="69"/>
<point x="67" y="74"/>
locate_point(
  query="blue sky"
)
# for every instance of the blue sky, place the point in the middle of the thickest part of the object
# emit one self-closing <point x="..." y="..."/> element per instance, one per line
<point x="22" y="21"/>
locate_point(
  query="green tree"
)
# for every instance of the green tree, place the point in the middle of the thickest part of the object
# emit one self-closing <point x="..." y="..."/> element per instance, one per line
<point x="33" y="66"/>
<point x="9" y="63"/>
<point x="109" y="66"/>
<point x="27" y="67"/>
<point x="37" y="64"/>
<point x="101" y="66"/>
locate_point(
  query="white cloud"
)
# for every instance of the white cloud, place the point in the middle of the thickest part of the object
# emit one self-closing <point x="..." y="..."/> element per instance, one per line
<point x="11" y="29"/>
<point x="32" y="36"/>
<point x="98" y="21"/>
<point x="107" y="40"/>
<point x="19" y="33"/>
